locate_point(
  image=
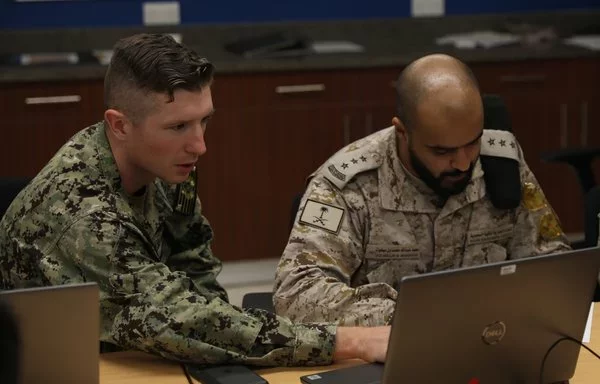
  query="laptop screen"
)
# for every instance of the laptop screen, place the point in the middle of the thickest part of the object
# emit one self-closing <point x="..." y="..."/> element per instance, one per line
<point x="58" y="330"/>
<point x="491" y="324"/>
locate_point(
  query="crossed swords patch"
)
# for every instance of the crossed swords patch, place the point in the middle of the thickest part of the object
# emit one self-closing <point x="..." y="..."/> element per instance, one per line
<point x="323" y="216"/>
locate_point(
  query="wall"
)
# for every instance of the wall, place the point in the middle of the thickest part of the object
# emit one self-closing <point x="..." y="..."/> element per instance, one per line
<point x="95" y="13"/>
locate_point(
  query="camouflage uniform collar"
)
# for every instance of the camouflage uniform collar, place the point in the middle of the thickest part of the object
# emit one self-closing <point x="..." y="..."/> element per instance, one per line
<point x="155" y="206"/>
<point x="396" y="191"/>
<point x="475" y="191"/>
<point x="106" y="159"/>
<point x="399" y="192"/>
<point x="418" y="183"/>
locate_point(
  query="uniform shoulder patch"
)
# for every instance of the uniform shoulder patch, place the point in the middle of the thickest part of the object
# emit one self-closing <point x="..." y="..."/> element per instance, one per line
<point x="343" y="167"/>
<point x="499" y="143"/>
<point x="320" y="215"/>
<point x="548" y="224"/>
<point x="533" y="198"/>
<point x="360" y="156"/>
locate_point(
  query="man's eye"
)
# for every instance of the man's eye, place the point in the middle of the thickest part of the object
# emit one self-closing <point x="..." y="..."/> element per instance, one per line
<point x="179" y="127"/>
<point x="441" y="151"/>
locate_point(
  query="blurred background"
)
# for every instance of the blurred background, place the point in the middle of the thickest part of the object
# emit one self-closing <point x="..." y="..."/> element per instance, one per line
<point x="296" y="81"/>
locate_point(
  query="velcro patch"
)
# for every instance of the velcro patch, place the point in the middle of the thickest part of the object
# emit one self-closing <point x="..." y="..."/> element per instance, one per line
<point x="498" y="143"/>
<point x="187" y="195"/>
<point x="323" y="216"/>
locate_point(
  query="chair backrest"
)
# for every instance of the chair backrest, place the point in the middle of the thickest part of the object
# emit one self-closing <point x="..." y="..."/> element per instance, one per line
<point x="591" y="224"/>
<point x="592" y="209"/>
<point x="9" y="346"/>
<point x="9" y="189"/>
<point x="261" y="300"/>
<point x="9" y="335"/>
<point x="502" y="176"/>
<point x="495" y="113"/>
<point x="295" y="208"/>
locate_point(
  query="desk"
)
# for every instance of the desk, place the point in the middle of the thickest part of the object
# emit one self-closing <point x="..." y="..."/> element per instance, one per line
<point x="587" y="372"/>
<point x="588" y="366"/>
<point x="138" y="367"/>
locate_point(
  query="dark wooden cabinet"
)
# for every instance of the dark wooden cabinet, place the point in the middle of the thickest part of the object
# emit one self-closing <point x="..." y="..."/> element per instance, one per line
<point x="271" y="130"/>
<point x="586" y="104"/>
<point x="551" y="107"/>
<point x="269" y="133"/>
<point x="39" y="117"/>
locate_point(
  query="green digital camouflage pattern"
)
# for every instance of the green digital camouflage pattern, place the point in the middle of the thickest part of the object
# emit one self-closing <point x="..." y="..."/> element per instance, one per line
<point x="154" y="266"/>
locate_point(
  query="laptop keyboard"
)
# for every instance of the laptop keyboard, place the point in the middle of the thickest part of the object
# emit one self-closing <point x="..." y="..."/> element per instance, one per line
<point x="359" y="374"/>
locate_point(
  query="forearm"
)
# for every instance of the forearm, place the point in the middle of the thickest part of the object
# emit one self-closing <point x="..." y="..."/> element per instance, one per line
<point x="369" y="344"/>
<point x="347" y="343"/>
<point x="148" y="306"/>
<point x="367" y="305"/>
<point x="178" y="324"/>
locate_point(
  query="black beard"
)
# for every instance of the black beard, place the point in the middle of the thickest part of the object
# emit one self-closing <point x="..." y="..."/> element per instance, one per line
<point x="435" y="183"/>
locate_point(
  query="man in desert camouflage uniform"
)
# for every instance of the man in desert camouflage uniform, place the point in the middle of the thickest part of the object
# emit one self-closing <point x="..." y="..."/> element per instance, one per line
<point x="117" y="205"/>
<point x="406" y="200"/>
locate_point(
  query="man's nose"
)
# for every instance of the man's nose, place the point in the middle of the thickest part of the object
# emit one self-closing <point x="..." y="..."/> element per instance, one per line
<point x="197" y="145"/>
<point x="461" y="160"/>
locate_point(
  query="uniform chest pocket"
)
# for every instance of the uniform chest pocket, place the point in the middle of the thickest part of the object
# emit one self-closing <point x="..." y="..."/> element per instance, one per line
<point x="487" y="245"/>
<point x="389" y="263"/>
<point x="483" y="254"/>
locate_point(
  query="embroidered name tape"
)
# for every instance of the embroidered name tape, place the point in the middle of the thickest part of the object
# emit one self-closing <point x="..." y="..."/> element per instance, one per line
<point x="392" y="252"/>
<point x="489" y="235"/>
<point x="323" y="216"/>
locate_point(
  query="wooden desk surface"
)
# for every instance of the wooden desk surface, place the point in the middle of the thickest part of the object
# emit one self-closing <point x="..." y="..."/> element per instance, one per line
<point x="587" y="372"/>
<point x="137" y="367"/>
<point x="588" y="366"/>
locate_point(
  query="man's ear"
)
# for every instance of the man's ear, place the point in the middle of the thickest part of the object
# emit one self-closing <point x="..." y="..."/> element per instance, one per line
<point x="401" y="130"/>
<point x="117" y="123"/>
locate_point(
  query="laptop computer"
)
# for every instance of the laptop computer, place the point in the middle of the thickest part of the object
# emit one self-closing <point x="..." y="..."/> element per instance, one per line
<point x="59" y="332"/>
<point x="490" y="324"/>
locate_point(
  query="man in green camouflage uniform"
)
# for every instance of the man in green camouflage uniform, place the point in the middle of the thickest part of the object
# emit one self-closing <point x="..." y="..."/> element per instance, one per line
<point x="406" y="200"/>
<point x="117" y="205"/>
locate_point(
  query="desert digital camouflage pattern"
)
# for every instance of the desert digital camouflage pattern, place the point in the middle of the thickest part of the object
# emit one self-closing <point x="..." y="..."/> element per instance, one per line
<point x="150" y="255"/>
<point x="365" y="222"/>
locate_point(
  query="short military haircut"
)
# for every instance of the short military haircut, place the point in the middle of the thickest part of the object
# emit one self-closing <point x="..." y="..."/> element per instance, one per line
<point x="144" y="64"/>
<point x="411" y="88"/>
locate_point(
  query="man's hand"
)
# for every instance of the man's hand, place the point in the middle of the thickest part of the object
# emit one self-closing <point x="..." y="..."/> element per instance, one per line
<point x="366" y="343"/>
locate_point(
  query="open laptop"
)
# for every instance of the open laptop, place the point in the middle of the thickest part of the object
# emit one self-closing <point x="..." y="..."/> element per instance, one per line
<point x="490" y="324"/>
<point x="59" y="332"/>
